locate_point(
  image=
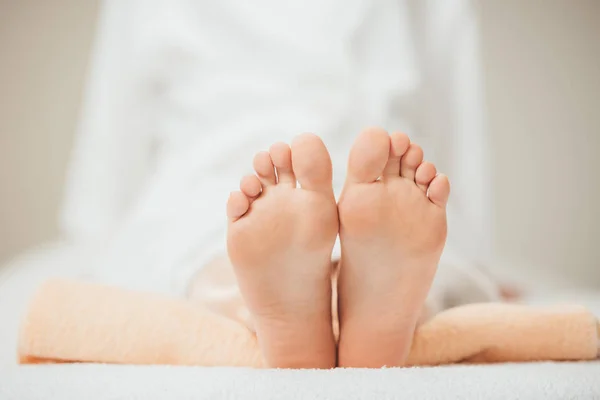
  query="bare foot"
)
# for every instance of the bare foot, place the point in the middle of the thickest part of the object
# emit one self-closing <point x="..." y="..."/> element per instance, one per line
<point x="392" y="231"/>
<point x="280" y="240"/>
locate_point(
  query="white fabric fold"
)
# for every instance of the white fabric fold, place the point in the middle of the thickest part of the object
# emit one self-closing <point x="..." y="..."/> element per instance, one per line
<point x="181" y="94"/>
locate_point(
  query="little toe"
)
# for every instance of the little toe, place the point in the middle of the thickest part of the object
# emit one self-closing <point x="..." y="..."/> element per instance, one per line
<point x="424" y="175"/>
<point x="369" y="156"/>
<point x="399" y="144"/>
<point x="312" y="163"/>
<point x="263" y="165"/>
<point x="439" y="190"/>
<point x="250" y="186"/>
<point x="281" y="155"/>
<point x="410" y="161"/>
<point x="237" y="205"/>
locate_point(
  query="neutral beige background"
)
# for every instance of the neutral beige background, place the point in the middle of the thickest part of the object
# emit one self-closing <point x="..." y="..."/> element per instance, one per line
<point x="541" y="60"/>
<point x="44" y="48"/>
<point x="542" y="68"/>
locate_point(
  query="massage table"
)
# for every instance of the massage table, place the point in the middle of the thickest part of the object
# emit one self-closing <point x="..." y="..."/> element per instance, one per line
<point x="22" y="276"/>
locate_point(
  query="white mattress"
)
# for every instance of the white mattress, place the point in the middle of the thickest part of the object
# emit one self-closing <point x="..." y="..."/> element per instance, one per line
<point x="90" y="381"/>
<point x="508" y="381"/>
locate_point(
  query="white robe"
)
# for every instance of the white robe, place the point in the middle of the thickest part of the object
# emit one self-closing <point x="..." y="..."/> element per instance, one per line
<point x="182" y="93"/>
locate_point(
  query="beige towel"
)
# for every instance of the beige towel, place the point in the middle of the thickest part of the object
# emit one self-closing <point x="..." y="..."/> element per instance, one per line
<point x="82" y="322"/>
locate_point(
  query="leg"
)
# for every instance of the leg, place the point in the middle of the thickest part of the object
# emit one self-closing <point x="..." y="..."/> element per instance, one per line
<point x="392" y="232"/>
<point x="280" y="240"/>
<point x="215" y="287"/>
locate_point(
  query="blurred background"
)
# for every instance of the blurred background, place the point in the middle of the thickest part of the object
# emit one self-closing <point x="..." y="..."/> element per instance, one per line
<point x="541" y="79"/>
<point x="45" y="49"/>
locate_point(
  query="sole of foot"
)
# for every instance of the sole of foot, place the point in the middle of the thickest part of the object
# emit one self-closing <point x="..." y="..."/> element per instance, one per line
<point x="280" y="239"/>
<point x="392" y="214"/>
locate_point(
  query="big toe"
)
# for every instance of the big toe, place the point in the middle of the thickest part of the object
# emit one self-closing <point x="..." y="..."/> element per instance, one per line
<point x="311" y="163"/>
<point x="369" y="156"/>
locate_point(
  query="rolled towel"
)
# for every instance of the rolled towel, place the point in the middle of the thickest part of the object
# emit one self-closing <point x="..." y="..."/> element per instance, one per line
<point x="83" y="322"/>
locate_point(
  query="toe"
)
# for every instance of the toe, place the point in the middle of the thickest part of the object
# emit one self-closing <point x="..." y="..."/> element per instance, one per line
<point x="263" y="165"/>
<point x="424" y="175"/>
<point x="410" y="161"/>
<point x="282" y="159"/>
<point x="439" y="190"/>
<point x="369" y="156"/>
<point x="399" y="143"/>
<point x="312" y="163"/>
<point x="237" y="205"/>
<point x="250" y="186"/>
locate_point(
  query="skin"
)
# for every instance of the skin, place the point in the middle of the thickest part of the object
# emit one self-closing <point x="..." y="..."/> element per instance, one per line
<point x="283" y="224"/>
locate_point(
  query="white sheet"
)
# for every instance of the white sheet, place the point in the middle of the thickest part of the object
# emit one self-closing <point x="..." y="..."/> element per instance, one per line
<point x="503" y="382"/>
<point x="90" y="381"/>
